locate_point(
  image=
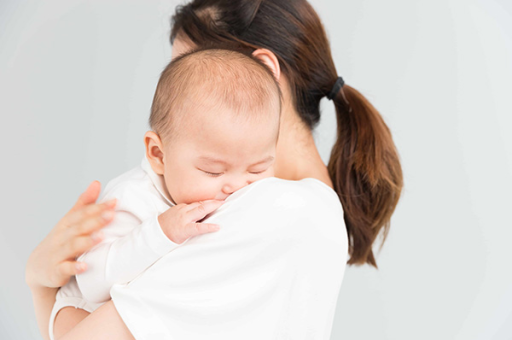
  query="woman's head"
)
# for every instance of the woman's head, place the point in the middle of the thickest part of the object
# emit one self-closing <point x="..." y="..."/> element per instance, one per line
<point x="290" y="29"/>
<point x="364" y="164"/>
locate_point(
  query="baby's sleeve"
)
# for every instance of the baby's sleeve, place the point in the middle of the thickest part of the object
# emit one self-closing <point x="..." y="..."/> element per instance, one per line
<point x="133" y="242"/>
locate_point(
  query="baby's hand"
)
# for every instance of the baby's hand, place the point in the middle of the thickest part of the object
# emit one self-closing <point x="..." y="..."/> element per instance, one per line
<point x="180" y="222"/>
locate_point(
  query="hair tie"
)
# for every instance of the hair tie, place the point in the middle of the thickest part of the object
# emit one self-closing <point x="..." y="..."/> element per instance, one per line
<point x="336" y="88"/>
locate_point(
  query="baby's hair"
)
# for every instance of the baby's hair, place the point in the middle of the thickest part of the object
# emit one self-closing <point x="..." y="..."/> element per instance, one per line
<point x="230" y="79"/>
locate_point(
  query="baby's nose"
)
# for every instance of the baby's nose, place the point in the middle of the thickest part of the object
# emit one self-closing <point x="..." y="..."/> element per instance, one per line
<point x="234" y="185"/>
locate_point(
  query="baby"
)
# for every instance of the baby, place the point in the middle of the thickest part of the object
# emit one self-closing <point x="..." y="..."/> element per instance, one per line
<point x="214" y="128"/>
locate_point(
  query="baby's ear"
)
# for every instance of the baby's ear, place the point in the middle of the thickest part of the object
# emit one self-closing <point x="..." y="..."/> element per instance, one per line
<point x="154" y="152"/>
<point x="269" y="59"/>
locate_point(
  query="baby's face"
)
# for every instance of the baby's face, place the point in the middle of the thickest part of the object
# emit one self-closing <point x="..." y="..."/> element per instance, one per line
<point x="216" y="155"/>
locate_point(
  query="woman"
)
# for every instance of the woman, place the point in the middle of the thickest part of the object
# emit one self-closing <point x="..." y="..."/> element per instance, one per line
<point x="364" y="168"/>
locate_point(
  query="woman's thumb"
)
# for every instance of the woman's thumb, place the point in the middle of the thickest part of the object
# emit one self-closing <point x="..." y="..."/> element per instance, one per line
<point x="89" y="196"/>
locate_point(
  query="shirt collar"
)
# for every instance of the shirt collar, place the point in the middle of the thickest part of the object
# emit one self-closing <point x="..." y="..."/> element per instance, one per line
<point x="157" y="180"/>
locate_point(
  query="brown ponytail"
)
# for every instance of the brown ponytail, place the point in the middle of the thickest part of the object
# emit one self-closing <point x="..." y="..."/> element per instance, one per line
<point x="364" y="165"/>
<point x="366" y="173"/>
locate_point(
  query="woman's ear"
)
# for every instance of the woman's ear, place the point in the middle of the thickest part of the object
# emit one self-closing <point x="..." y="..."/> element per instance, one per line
<point x="269" y="59"/>
<point x="154" y="152"/>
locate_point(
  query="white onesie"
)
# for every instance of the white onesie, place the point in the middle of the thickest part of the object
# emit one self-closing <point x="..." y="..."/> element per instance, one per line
<point x="133" y="240"/>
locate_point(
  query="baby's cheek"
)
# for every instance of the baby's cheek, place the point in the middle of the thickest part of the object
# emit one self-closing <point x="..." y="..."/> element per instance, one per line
<point x="200" y="191"/>
<point x="269" y="173"/>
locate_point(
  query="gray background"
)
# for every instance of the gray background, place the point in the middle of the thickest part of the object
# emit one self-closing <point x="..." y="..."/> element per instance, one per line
<point x="76" y="83"/>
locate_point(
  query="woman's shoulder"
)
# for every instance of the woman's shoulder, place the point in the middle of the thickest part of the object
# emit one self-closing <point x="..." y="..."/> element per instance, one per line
<point x="304" y="214"/>
<point x="296" y="195"/>
<point x="274" y="204"/>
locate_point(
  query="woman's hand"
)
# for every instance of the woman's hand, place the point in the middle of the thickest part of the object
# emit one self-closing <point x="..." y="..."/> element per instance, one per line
<point x="53" y="262"/>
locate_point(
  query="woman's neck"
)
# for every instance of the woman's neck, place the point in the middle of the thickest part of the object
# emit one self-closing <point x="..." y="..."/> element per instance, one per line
<point x="297" y="156"/>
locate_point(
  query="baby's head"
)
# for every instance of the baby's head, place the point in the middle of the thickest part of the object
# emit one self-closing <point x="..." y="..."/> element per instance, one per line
<point x="215" y="124"/>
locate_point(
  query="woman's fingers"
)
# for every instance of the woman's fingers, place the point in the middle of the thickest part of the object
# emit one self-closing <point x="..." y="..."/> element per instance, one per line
<point x="70" y="268"/>
<point x="199" y="210"/>
<point x="52" y="262"/>
<point x="80" y="244"/>
<point x="93" y="223"/>
<point x="80" y="229"/>
<point x="89" y="196"/>
<point x="89" y="211"/>
<point x="64" y="270"/>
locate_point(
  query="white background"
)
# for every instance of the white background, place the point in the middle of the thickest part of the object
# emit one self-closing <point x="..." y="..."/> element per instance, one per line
<point x="76" y="84"/>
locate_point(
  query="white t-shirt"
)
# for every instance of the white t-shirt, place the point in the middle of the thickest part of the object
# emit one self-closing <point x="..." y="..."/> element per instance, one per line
<point x="133" y="240"/>
<point x="273" y="270"/>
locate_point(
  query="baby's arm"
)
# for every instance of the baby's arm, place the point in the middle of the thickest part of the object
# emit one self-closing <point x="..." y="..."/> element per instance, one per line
<point x="132" y="243"/>
<point x="130" y="246"/>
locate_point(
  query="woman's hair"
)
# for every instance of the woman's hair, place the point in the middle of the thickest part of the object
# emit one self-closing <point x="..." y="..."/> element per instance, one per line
<point x="364" y="165"/>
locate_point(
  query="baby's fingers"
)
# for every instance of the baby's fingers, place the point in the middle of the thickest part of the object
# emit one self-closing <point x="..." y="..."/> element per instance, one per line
<point x="195" y="229"/>
<point x="200" y="209"/>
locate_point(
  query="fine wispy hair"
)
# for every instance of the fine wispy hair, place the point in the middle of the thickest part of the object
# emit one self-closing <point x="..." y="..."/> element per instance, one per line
<point x="211" y="78"/>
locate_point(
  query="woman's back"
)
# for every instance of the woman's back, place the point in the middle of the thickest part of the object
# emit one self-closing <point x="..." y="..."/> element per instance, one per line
<point x="278" y="260"/>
